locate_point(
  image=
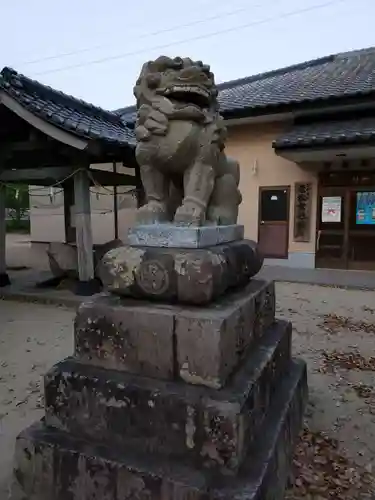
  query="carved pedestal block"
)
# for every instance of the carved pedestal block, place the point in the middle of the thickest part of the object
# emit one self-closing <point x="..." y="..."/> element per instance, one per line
<point x="191" y="276"/>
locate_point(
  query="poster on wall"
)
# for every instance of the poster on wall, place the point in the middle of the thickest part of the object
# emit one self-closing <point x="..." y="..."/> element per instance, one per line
<point x="331" y="209"/>
<point x="365" y="210"/>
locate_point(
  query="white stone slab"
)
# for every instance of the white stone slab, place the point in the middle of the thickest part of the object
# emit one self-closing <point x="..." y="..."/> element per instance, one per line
<point x="171" y="236"/>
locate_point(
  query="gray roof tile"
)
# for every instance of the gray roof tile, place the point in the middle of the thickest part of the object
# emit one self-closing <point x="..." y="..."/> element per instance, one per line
<point x="128" y="115"/>
<point x="326" y="133"/>
<point x="337" y="76"/>
<point x="71" y="114"/>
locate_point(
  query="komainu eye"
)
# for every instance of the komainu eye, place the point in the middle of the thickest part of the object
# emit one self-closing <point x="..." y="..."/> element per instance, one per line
<point x="153" y="80"/>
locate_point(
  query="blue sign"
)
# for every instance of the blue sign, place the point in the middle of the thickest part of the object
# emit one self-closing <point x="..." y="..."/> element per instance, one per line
<point x="365" y="212"/>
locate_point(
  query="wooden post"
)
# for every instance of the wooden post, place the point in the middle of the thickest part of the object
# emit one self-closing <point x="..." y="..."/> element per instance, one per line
<point x="87" y="285"/>
<point x="115" y="203"/>
<point x="4" y="278"/>
<point x="141" y="198"/>
<point x="70" y="234"/>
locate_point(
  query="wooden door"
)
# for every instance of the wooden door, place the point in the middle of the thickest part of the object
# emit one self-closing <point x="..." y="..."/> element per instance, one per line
<point x="273" y="225"/>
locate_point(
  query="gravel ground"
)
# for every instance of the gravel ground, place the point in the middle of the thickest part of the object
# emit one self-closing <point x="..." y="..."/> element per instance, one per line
<point x="334" y="331"/>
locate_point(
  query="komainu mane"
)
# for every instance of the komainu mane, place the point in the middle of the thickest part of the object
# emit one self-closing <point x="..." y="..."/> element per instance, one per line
<point x="188" y="179"/>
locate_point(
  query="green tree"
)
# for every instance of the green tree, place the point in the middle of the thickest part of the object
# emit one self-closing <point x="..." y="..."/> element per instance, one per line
<point x="17" y="204"/>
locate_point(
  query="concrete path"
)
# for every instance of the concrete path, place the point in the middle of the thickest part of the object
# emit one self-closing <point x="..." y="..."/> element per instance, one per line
<point x="24" y="289"/>
<point x="329" y="277"/>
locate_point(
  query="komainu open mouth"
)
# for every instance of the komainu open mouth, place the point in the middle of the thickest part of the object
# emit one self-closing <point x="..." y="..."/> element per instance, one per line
<point x="189" y="94"/>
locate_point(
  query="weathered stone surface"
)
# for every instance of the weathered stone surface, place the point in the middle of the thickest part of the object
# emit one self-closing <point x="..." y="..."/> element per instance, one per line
<point x="196" y="276"/>
<point x="266" y="470"/>
<point x="200" y="345"/>
<point x="210" y="342"/>
<point x="186" y="175"/>
<point x="101" y="249"/>
<point x="63" y="259"/>
<point x="131" y="336"/>
<point x="172" y="236"/>
<point x="53" y="465"/>
<point x="211" y="428"/>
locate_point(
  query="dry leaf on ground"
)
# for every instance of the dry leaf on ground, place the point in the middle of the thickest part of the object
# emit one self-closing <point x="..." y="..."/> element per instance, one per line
<point x="333" y="323"/>
<point x="321" y="472"/>
<point x="346" y="360"/>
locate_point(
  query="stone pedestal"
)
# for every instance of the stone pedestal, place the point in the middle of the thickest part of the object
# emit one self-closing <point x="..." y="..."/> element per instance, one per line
<point x="190" y="276"/>
<point x="166" y="396"/>
<point x="171" y="236"/>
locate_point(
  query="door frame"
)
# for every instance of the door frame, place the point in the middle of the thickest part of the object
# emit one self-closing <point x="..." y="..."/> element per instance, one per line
<point x="332" y="191"/>
<point x="346" y="261"/>
<point x="276" y="188"/>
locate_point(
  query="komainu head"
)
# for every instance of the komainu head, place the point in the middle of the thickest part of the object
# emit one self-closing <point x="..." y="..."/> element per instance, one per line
<point x="182" y="81"/>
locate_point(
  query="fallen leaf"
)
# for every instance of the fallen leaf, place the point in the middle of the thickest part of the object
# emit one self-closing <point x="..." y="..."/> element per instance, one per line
<point x="320" y="471"/>
<point x="347" y="360"/>
<point x="334" y="323"/>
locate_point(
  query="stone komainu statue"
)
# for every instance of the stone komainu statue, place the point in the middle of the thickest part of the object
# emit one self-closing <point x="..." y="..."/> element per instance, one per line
<point x="180" y="134"/>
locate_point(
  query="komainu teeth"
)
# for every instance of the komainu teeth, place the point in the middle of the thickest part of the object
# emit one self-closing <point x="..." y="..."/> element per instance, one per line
<point x="186" y="89"/>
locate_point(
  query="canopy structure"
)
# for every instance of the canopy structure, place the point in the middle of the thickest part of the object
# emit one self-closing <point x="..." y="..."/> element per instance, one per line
<point x="319" y="140"/>
<point x="47" y="138"/>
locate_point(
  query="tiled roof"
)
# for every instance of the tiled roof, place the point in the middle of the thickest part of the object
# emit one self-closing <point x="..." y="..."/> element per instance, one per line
<point x="128" y="115"/>
<point x="337" y="76"/>
<point x="66" y="112"/>
<point x="324" y="133"/>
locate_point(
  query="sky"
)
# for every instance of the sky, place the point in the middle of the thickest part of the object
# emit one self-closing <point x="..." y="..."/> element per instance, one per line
<point x="94" y="49"/>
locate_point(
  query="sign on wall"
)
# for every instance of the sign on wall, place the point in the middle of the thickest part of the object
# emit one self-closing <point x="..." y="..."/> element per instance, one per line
<point x="365" y="210"/>
<point x="331" y="208"/>
<point x="302" y="211"/>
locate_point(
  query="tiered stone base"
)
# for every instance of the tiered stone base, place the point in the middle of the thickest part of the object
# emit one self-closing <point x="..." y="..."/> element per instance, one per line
<point x="203" y="426"/>
<point x="53" y="464"/>
<point x="169" y="402"/>
<point x="200" y="345"/>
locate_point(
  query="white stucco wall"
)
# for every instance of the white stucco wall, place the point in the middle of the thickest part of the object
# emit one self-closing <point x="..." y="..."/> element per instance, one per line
<point x="47" y="211"/>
